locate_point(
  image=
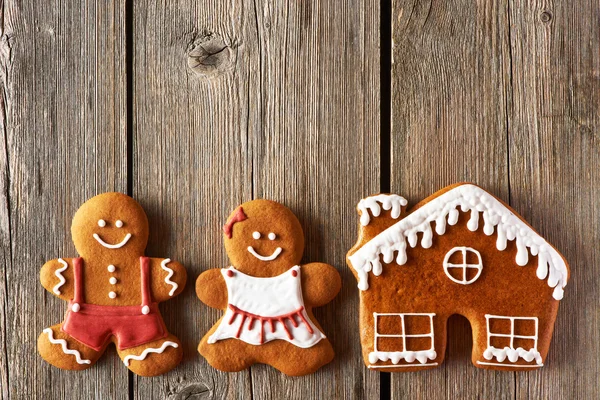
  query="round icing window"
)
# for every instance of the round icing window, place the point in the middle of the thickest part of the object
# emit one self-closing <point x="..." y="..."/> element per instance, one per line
<point x="463" y="265"/>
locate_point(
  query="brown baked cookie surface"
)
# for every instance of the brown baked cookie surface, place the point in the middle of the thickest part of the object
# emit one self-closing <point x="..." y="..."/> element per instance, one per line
<point x="113" y="292"/>
<point x="267" y="296"/>
<point x="459" y="251"/>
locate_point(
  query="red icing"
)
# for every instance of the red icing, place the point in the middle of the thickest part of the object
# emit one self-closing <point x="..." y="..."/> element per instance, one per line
<point x="238" y="216"/>
<point x="94" y="325"/>
<point x="294" y="273"/>
<point x="229" y="273"/>
<point x="270" y="320"/>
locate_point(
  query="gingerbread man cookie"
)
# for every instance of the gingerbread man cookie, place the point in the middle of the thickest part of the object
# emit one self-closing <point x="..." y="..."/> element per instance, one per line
<point x="459" y="251"/>
<point x="113" y="292"/>
<point x="267" y="296"/>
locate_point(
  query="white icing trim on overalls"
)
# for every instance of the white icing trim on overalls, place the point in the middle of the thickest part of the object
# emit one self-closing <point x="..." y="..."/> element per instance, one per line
<point x="112" y="246"/>
<point x="65" y="349"/>
<point x="388" y="201"/>
<point x="149" y="350"/>
<point x="510" y="352"/>
<point x="445" y="209"/>
<point x="407" y="355"/>
<point x="168" y="280"/>
<point x="59" y="275"/>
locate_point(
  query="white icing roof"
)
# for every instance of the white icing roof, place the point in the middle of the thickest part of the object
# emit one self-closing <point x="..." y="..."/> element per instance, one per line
<point x="445" y="209"/>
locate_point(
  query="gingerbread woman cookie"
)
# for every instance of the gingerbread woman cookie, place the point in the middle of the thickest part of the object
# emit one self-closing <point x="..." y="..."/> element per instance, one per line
<point x="459" y="251"/>
<point x="267" y="296"/>
<point x="113" y="292"/>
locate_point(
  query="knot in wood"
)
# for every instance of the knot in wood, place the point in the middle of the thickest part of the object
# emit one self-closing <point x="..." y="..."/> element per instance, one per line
<point x="194" y="391"/>
<point x="209" y="56"/>
<point x="546" y="16"/>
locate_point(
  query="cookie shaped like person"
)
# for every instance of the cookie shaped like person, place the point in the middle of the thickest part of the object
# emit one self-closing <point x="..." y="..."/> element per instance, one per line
<point x="267" y="296"/>
<point x="113" y="292"/>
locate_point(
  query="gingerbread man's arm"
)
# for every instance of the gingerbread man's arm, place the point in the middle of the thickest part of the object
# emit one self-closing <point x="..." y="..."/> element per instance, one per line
<point x="320" y="284"/>
<point x="168" y="278"/>
<point x="56" y="277"/>
<point x="211" y="289"/>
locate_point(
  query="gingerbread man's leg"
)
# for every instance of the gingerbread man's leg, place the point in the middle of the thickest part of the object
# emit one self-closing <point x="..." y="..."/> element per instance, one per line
<point x="230" y="355"/>
<point x="63" y="351"/>
<point x="311" y="358"/>
<point x="154" y="358"/>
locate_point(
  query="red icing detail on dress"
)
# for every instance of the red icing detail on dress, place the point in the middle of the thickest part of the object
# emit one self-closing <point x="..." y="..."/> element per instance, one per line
<point x="294" y="273"/>
<point x="270" y="320"/>
<point x="94" y="325"/>
<point x="237" y="217"/>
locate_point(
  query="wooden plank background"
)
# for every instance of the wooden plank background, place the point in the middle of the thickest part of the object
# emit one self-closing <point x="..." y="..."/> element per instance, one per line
<point x="195" y="107"/>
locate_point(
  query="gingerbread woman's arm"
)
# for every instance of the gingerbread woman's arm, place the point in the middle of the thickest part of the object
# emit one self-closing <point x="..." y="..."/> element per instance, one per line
<point x="168" y="278"/>
<point x="320" y="284"/>
<point x="56" y="277"/>
<point x="211" y="289"/>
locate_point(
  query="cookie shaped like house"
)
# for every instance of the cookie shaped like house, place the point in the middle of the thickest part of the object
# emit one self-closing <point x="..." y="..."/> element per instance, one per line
<point x="460" y="251"/>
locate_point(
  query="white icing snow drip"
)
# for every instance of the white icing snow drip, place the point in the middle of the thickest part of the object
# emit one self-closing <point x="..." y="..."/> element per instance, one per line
<point x="444" y="209"/>
<point x="512" y="354"/>
<point x="409" y="356"/>
<point x="388" y="201"/>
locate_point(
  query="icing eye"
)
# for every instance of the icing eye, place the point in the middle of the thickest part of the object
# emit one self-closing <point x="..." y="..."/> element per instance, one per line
<point x="101" y="223"/>
<point x="272" y="236"/>
<point x="256" y="235"/>
<point x="119" y="223"/>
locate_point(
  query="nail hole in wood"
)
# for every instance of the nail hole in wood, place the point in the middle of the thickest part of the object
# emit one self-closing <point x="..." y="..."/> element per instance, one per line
<point x="210" y="56"/>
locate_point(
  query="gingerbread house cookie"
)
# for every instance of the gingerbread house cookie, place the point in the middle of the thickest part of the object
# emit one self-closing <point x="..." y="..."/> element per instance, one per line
<point x="460" y="251"/>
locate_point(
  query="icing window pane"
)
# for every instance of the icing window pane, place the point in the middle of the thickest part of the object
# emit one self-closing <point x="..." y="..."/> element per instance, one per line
<point x="463" y="265"/>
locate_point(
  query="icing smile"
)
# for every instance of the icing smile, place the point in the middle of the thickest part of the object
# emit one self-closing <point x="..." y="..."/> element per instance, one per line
<point x="112" y="246"/>
<point x="265" y="258"/>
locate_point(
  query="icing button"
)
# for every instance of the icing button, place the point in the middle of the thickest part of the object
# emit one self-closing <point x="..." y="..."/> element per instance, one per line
<point x="75" y="307"/>
<point x="112" y="295"/>
<point x="111" y="268"/>
<point x="112" y="280"/>
<point x="145" y="310"/>
<point x="294" y="273"/>
<point x="229" y="273"/>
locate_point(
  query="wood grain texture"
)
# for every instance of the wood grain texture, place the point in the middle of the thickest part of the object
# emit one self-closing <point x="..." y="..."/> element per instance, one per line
<point x="554" y="150"/>
<point x="506" y="95"/>
<point x="289" y="111"/>
<point x="62" y="112"/>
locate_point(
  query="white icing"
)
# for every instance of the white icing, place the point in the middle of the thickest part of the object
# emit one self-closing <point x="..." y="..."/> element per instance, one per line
<point x="119" y="224"/>
<point x="256" y="235"/>
<point x="145" y="310"/>
<point x="101" y="223"/>
<point x="407" y="355"/>
<point x="60" y="276"/>
<point x="269" y="298"/>
<point x="265" y="258"/>
<point x="65" y="349"/>
<point x="388" y="201"/>
<point x="112" y="246"/>
<point x="168" y="280"/>
<point x="272" y="236"/>
<point x="149" y="350"/>
<point x="112" y="295"/>
<point x="512" y="354"/>
<point x="111" y="268"/>
<point x="464" y="266"/>
<point x="75" y="307"/>
<point x="112" y="280"/>
<point x="445" y="207"/>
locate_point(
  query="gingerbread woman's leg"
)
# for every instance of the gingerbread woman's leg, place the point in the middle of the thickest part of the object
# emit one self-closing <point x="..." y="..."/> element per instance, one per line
<point x="63" y="351"/>
<point x="310" y="359"/>
<point x="154" y="358"/>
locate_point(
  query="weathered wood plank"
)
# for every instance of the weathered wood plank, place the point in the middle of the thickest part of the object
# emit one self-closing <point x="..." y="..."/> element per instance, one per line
<point x="267" y="117"/>
<point x="450" y="74"/>
<point x="315" y="146"/>
<point x="554" y="147"/>
<point x="62" y="113"/>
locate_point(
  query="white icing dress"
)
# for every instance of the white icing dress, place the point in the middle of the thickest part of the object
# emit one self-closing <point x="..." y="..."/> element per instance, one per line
<point x="265" y="309"/>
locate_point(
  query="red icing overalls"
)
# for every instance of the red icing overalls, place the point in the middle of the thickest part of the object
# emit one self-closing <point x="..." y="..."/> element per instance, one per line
<point x="94" y="325"/>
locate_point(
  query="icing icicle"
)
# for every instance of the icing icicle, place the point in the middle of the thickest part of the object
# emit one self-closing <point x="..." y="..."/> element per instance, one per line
<point x="512" y="354"/>
<point x="396" y="356"/>
<point x="446" y="207"/>
<point x="388" y="201"/>
<point x="168" y="280"/>
<point x="149" y="350"/>
<point x="65" y="349"/>
<point x="60" y="276"/>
